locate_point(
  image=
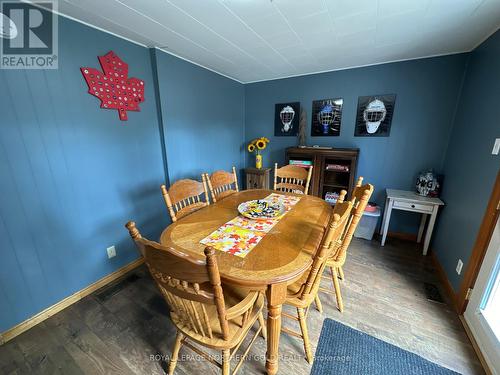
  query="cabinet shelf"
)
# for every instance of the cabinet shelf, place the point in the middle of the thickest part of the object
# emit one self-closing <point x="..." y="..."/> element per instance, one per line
<point x="338" y="186"/>
<point x="333" y="170"/>
<point x="323" y="179"/>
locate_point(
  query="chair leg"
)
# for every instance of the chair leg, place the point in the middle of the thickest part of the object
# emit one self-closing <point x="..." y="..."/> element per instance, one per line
<point x="336" y="284"/>
<point x="331" y="274"/>
<point x="319" y="307"/>
<point x="305" y="334"/>
<point x="262" y="323"/>
<point x="341" y="273"/>
<point x="175" y="353"/>
<point x="226" y="357"/>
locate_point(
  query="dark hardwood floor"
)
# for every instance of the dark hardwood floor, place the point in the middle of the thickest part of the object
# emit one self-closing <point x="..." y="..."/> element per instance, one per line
<point x="124" y="327"/>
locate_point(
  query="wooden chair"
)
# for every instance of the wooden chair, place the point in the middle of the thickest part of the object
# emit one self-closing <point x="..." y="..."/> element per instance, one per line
<point x="184" y="197"/>
<point x="357" y="187"/>
<point x="359" y="183"/>
<point x="200" y="309"/>
<point x="222" y="183"/>
<point x="292" y="179"/>
<point x="303" y="292"/>
<point x="359" y="200"/>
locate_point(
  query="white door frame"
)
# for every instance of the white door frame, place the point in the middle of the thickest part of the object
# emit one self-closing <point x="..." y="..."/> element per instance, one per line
<point x="484" y="336"/>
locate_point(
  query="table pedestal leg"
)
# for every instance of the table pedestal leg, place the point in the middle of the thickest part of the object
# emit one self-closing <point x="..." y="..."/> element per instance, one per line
<point x="276" y="295"/>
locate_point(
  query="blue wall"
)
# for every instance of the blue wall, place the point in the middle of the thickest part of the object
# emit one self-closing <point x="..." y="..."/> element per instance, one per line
<point x="470" y="168"/>
<point x="427" y="92"/>
<point x="71" y="175"/>
<point x="203" y="114"/>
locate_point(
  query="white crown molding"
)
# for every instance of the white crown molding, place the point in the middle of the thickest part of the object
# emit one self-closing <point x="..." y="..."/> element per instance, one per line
<point x="198" y="64"/>
<point x="135" y="42"/>
<point x="359" y="66"/>
<point x="163" y="49"/>
<point x="495" y="29"/>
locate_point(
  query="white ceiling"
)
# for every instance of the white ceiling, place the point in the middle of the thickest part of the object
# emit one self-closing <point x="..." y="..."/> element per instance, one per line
<point x="253" y="40"/>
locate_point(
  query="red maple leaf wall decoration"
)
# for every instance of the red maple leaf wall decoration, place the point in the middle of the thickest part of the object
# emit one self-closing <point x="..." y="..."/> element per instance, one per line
<point x="113" y="87"/>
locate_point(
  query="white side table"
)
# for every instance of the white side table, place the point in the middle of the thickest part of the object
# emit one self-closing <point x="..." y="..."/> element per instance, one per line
<point x="411" y="201"/>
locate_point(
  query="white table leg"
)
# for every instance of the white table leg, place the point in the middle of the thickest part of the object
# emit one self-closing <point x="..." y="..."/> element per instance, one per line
<point x="421" y="228"/>
<point x="385" y="215"/>
<point x="429" y="229"/>
<point x="387" y="219"/>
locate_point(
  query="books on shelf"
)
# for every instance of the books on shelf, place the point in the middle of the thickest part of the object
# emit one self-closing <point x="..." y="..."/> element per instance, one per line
<point x="301" y="163"/>
<point x="331" y="197"/>
<point x="337" y="167"/>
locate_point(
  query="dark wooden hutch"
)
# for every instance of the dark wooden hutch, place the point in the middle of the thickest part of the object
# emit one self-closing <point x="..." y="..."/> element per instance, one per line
<point x="323" y="179"/>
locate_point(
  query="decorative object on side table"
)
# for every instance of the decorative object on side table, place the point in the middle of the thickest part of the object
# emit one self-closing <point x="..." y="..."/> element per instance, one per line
<point x="428" y="184"/>
<point x="257" y="145"/>
<point x="374" y="116"/>
<point x="113" y="87"/>
<point x="286" y="119"/>
<point x="326" y="117"/>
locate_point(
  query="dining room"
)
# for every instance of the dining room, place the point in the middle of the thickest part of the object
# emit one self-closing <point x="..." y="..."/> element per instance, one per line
<point x="235" y="186"/>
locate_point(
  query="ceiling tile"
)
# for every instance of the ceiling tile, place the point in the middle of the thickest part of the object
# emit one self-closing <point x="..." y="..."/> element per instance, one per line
<point x="355" y="23"/>
<point x="346" y="8"/>
<point x="294" y="9"/>
<point x="395" y="29"/>
<point x="254" y="40"/>
<point x="398" y="7"/>
<point x="451" y="7"/>
<point x="321" y="21"/>
<point x="270" y="25"/>
<point x="284" y="40"/>
<point x="253" y="9"/>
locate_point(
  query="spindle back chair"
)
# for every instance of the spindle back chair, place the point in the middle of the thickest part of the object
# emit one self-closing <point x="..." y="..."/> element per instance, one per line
<point x="360" y="198"/>
<point x="185" y="197"/>
<point x="292" y="179"/>
<point x="222" y="183"/>
<point x="359" y="184"/>
<point x="199" y="307"/>
<point x="303" y="292"/>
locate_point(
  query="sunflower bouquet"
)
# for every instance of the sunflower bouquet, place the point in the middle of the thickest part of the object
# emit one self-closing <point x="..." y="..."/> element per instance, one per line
<point x="257" y="145"/>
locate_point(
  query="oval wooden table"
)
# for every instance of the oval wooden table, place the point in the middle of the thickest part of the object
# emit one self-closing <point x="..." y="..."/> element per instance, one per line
<point x="277" y="260"/>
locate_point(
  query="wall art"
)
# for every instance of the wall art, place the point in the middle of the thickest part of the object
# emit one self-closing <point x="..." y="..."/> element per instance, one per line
<point x="374" y="115"/>
<point x="286" y="119"/>
<point x="113" y="87"/>
<point x="326" y="117"/>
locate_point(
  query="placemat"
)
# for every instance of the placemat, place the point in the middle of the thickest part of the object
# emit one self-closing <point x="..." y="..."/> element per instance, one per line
<point x="240" y="235"/>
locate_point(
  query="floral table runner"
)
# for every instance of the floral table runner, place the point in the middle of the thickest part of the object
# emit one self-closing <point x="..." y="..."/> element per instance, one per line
<point x="240" y="235"/>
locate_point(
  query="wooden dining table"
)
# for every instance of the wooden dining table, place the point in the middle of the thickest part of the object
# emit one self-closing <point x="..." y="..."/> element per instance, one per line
<point x="279" y="259"/>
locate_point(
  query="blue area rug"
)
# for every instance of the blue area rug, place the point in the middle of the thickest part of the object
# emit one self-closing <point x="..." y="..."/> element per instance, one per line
<point x="344" y="350"/>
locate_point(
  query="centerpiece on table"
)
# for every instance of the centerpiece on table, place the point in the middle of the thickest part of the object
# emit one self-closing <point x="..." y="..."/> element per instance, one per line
<point x="257" y="145"/>
<point x="261" y="209"/>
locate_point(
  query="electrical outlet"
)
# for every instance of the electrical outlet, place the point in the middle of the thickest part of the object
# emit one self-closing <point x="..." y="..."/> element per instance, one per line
<point x="111" y="251"/>
<point x="496" y="147"/>
<point x="459" y="266"/>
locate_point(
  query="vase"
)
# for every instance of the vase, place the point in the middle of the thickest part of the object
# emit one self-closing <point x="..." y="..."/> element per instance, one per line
<point x="258" y="161"/>
<point x="426" y="183"/>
